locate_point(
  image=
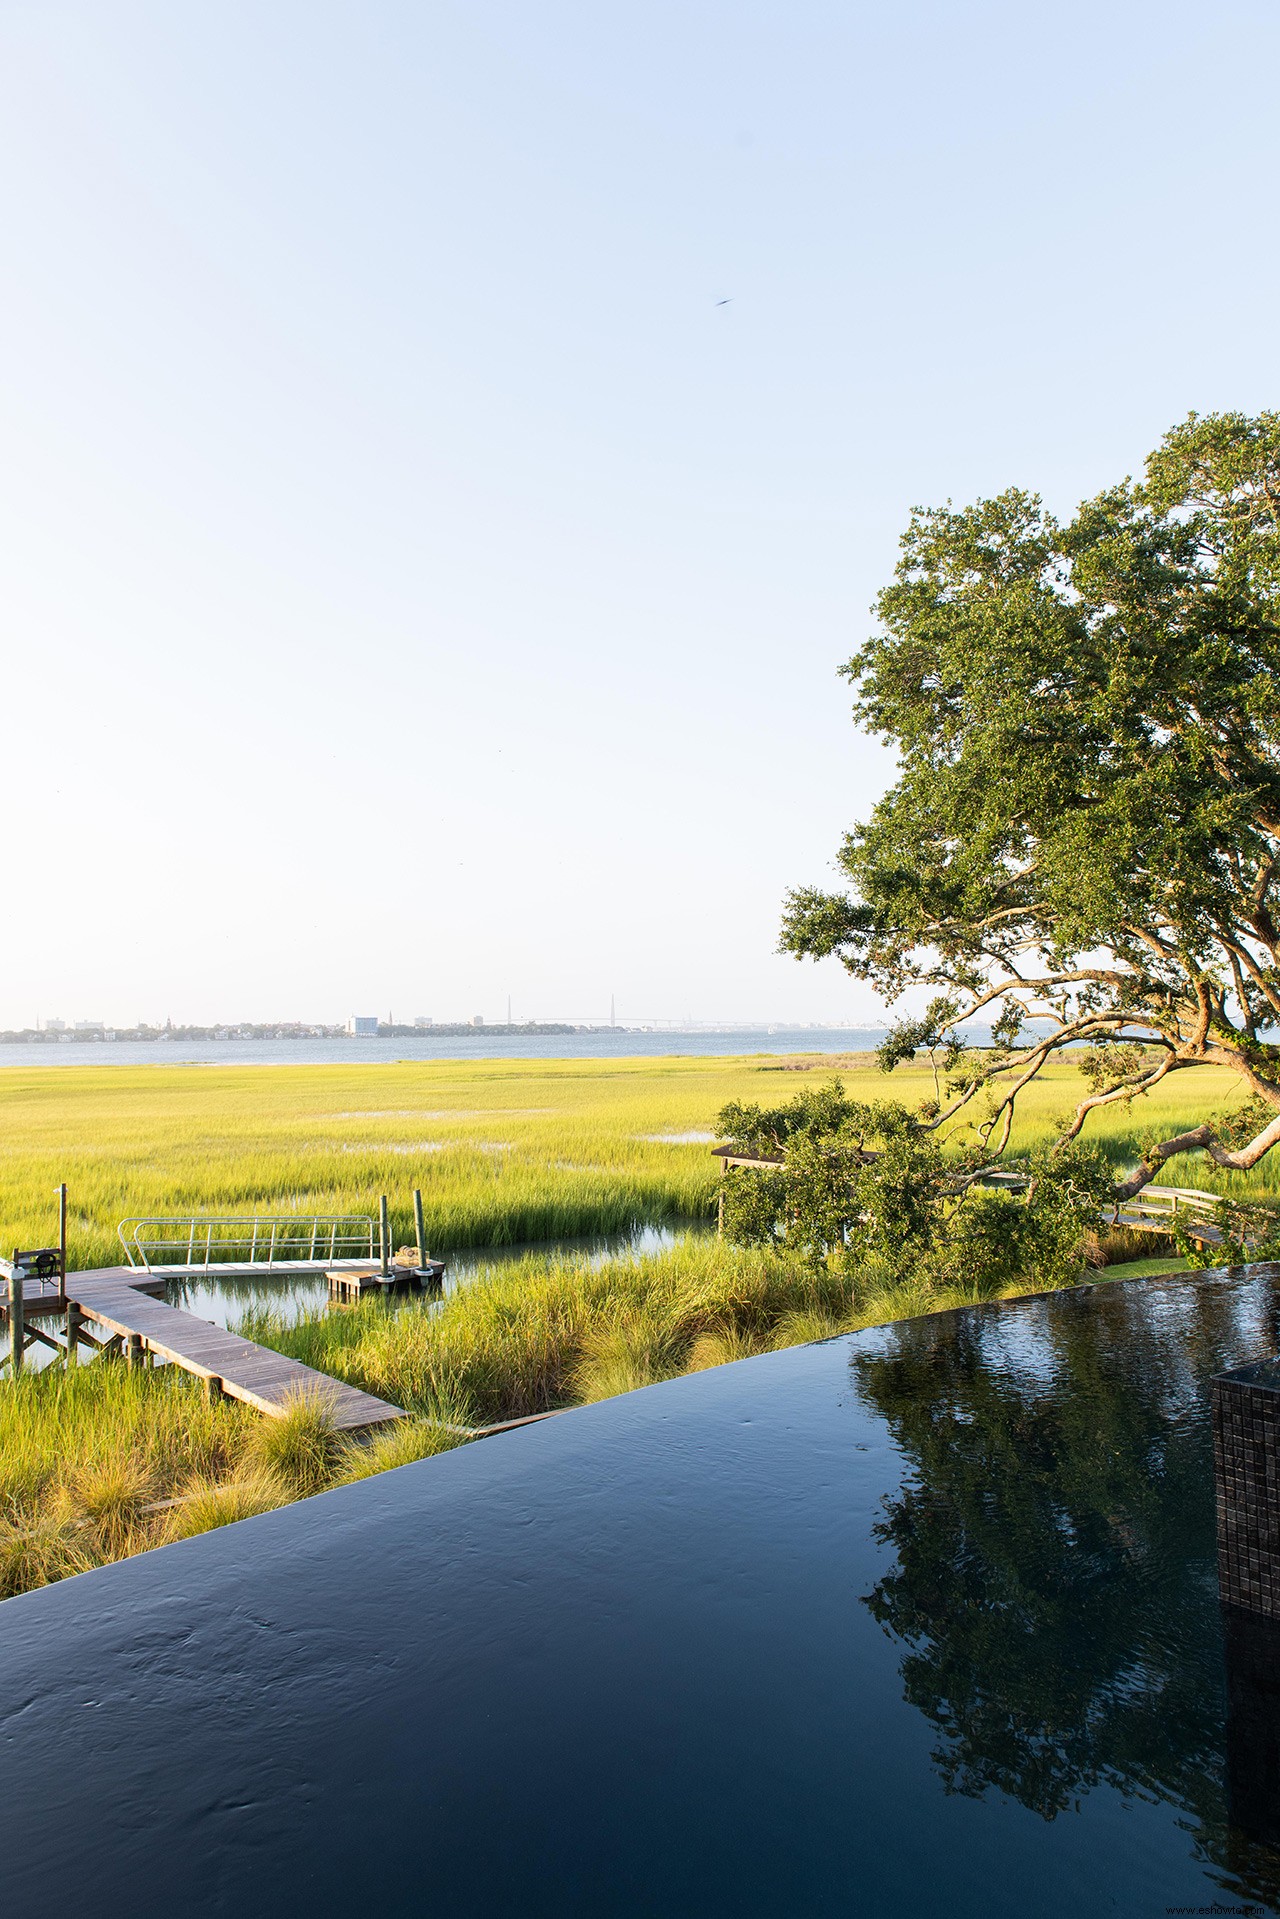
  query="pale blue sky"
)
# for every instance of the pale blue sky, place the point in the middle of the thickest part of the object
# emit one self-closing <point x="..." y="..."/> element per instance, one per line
<point x="415" y="587"/>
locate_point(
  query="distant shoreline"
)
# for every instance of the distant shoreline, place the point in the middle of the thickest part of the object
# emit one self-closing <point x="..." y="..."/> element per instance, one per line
<point x="242" y="1031"/>
<point x="423" y="1045"/>
<point x="230" y="1035"/>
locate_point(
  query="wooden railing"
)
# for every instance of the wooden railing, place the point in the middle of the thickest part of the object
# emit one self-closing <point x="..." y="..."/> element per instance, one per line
<point x="1154" y="1209"/>
<point x="1161" y="1208"/>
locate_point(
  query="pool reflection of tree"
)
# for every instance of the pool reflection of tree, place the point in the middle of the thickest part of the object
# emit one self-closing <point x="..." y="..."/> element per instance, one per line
<point x="1054" y="1576"/>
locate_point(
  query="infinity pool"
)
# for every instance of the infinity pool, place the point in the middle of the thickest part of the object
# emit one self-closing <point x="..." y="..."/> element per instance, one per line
<point x="921" y="1621"/>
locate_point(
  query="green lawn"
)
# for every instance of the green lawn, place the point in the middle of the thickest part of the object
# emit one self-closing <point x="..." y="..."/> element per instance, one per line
<point x="1143" y="1268"/>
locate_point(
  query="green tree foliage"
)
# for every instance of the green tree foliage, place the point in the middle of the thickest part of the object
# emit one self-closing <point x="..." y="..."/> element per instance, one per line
<point x="1083" y="841"/>
<point x="867" y="1184"/>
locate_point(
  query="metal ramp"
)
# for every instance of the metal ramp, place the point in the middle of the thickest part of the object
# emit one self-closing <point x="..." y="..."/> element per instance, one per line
<point x="184" y="1246"/>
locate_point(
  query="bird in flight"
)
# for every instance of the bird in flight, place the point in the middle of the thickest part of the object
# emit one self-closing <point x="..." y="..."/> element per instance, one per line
<point x="725" y="303"/>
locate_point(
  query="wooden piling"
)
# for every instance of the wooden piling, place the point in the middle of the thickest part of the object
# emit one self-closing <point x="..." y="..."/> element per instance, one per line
<point x="17" y="1326"/>
<point x="419" y="1229"/>
<point x="62" y="1239"/>
<point x="75" y="1319"/>
<point x="384" y="1229"/>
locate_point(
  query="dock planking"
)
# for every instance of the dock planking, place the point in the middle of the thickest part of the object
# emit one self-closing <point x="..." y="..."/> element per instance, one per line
<point x="116" y="1299"/>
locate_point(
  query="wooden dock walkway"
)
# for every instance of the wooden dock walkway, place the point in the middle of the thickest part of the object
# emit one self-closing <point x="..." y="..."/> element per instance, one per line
<point x="117" y="1300"/>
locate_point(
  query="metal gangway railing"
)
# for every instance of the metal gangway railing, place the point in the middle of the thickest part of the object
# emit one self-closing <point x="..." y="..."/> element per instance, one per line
<point x="195" y="1243"/>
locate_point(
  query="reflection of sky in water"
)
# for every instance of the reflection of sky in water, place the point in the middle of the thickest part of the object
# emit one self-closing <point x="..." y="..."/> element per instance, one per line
<point x="1025" y="1346"/>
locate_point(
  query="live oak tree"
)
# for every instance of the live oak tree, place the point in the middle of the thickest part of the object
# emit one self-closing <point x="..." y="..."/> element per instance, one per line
<point x="1082" y="844"/>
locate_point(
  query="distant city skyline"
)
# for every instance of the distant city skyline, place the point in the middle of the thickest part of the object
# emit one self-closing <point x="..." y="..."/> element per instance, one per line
<point x="426" y="1023"/>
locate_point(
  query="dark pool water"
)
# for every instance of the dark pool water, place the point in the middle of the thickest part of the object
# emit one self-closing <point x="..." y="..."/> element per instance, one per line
<point x="922" y="1621"/>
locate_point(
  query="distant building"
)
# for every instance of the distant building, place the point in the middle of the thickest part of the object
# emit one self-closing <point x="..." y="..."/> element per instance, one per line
<point x="477" y="1019"/>
<point x="55" y="1026"/>
<point x="92" y="1028"/>
<point x="422" y="1019"/>
<point x="361" y="1028"/>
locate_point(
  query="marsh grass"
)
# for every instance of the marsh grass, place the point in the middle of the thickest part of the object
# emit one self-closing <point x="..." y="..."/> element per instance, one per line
<point x="301" y="1448"/>
<point x="538" y="1334"/>
<point x="590" y="1146"/>
<point x="102" y="1462"/>
<point x="209" y="1504"/>
<point x="89" y="1459"/>
<point x="170" y="1140"/>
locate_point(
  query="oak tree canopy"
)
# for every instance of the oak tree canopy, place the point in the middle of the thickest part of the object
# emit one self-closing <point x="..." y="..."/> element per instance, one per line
<point x="1082" y="845"/>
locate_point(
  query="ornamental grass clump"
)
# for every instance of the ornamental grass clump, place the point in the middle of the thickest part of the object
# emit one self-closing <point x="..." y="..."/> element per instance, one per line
<point x="632" y="1347"/>
<point x="400" y="1444"/>
<point x="301" y="1448"/>
<point x="109" y="1492"/>
<point x="807" y="1325"/>
<point x="722" y="1348"/>
<point x="39" y="1549"/>
<point x="98" y="1442"/>
<point x="206" y="1505"/>
<point x="91" y="1459"/>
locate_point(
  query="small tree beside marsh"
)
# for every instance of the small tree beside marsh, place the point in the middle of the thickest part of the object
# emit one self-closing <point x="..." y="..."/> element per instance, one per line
<point x="866" y="1187"/>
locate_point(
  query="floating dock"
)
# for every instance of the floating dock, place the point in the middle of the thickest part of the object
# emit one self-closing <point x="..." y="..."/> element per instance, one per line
<point x="351" y="1283"/>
